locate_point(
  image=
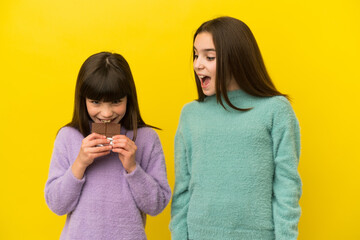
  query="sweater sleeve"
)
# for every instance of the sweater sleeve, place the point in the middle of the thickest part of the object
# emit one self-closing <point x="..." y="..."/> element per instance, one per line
<point x="181" y="197"/>
<point x="150" y="188"/>
<point x="62" y="189"/>
<point x="287" y="182"/>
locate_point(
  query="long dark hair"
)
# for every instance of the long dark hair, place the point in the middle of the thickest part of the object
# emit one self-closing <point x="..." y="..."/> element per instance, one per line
<point x="237" y="56"/>
<point x="107" y="77"/>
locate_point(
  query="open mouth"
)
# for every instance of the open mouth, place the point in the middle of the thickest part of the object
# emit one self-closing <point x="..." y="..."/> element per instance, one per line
<point x="205" y="80"/>
<point x="105" y="120"/>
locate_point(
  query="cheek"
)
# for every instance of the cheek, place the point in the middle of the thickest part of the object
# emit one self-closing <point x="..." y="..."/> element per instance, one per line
<point x="89" y="110"/>
<point x="121" y="110"/>
<point x="213" y="68"/>
<point x="213" y="71"/>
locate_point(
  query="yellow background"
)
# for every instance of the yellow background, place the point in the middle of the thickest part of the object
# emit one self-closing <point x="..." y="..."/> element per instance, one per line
<point x="311" y="49"/>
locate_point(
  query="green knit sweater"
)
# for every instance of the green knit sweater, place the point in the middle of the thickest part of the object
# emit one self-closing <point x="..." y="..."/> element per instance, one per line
<point x="236" y="172"/>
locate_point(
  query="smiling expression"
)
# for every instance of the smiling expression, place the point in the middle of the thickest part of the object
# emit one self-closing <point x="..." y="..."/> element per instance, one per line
<point x="105" y="112"/>
<point x="205" y="62"/>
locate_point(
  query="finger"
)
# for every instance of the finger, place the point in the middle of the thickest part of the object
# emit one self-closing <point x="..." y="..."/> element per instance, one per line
<point x="97" y="142"/>
<point x="96" y="155"/>
<point x="123" y="142"/>
<point x="121" y="151"/>
<point x="87" y="141"/>
<point x="99" y="149"/>
<point x="124" y="153"/>
<point x="117" y="150"/>
<point x="119" y="137"/>
<point x="126" y="146"/>
<point x="95" y="136"/>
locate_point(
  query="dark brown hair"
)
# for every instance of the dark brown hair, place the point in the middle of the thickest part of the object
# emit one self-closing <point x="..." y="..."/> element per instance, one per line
<point x="237" y="56"/>
<point x="107" y="77"/>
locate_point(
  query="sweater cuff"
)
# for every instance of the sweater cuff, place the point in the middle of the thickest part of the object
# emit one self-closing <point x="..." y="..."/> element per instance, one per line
<point x="137" y="173"/>
<point x="179" y="235"/>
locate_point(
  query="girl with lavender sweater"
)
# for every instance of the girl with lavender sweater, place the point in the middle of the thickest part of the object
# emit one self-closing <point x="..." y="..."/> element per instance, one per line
<point x="105" y="189"/>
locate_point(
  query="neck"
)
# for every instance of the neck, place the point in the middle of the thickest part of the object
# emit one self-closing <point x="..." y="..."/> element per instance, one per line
<point x="232" y="85"/>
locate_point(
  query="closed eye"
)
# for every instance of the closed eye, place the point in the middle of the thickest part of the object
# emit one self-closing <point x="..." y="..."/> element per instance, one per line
<point x="95" y="102"/>
<point x="116" y="101"/>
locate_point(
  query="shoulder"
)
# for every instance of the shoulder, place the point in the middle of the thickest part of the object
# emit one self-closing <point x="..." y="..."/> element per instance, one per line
<point x="280" y="102"/>
<point x="275" y="110"/>
<point x="146" y="134"/>
<point x="277" y="105"/>
<point x="187" y="113"/>
<point x="282" y="113"/>
<point x="68" y="134"/>
<point x="282" y="106"/>
<point x="190" y="107"/>
<point x="68" y="139"/>
<point x="147" y="141"/>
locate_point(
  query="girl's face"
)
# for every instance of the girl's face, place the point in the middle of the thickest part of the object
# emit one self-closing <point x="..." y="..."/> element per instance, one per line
<point x="205" y="62"/>
<point x="102" y="112"/>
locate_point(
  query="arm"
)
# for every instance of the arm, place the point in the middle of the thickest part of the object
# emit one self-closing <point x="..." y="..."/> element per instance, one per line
<point x="287" y="182"/>
<point x="65" y="181"/>
<point x="149" y="187"/>
<point x="62" y="189"/>
<point x="181" y="197"/>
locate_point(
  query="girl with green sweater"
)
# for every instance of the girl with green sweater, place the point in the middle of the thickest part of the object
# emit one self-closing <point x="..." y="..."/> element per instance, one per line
<point x="237" y="147"/>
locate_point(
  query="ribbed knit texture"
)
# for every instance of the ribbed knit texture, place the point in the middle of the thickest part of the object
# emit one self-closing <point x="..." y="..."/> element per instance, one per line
<point x="107" y="203"/>
<point x="236" y="172"/>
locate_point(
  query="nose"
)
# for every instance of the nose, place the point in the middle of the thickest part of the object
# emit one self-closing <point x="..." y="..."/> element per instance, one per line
<point x="106" y="111"/>
<point x="198" y="63"/>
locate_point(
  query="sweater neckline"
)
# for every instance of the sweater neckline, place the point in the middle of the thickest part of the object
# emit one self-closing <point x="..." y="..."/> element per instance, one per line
<point x="236" y="93"/>
<point x="231" y="94"/>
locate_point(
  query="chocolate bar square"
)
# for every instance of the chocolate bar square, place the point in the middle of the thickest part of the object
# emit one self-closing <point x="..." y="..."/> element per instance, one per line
<point x="107" y="129"/>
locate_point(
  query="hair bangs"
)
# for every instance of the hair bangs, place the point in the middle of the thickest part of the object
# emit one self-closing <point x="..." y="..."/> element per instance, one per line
<point x="106" y="86"/>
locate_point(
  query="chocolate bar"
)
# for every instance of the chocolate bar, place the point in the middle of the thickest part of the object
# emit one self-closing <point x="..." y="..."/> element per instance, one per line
<point x="107" y="129"/>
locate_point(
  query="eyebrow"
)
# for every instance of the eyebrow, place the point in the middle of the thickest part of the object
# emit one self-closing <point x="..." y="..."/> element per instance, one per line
<point x="206" y="49"/>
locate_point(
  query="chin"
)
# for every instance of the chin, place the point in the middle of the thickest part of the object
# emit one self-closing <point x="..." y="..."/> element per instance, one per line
<point x="208" y="93"/>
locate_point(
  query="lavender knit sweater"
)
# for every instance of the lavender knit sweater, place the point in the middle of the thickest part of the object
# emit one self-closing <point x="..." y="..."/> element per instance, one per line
<point x="107" y="203"/>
